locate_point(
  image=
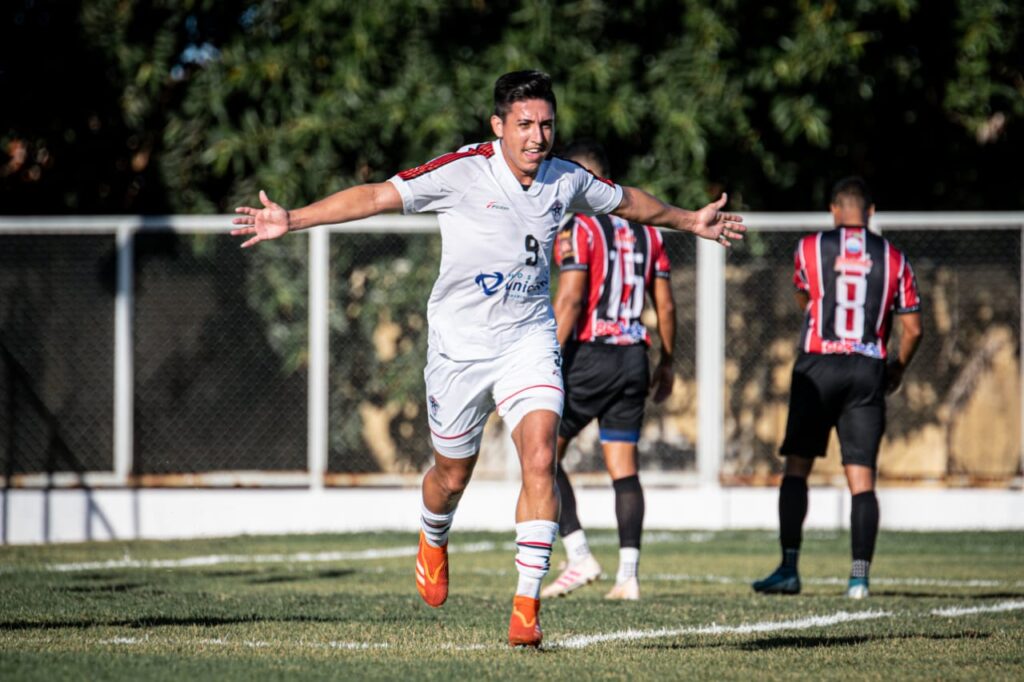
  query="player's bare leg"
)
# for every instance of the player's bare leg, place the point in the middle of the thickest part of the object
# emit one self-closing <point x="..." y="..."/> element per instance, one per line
<point x="621" y="460"/>
<point x="536" y="525"/>
<point x="863" y="527"/>
<point x="792" y="512"/>
<point x="581" y="567"/>
<point x="443" y="486"/>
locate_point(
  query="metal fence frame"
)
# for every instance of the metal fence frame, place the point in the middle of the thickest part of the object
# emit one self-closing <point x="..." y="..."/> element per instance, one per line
<point x="710" y="336"/>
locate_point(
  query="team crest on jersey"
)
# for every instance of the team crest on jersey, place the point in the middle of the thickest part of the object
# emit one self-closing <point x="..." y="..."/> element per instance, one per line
<point x="855" y="260"/>
<point x="434" y="405"/>
<point x="557" y="211"/>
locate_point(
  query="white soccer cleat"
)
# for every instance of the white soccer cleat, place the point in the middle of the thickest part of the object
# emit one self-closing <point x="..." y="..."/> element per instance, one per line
<point x="573" y="577"/>
<point x="629" y="590"/>
<point x="857" y="588"/>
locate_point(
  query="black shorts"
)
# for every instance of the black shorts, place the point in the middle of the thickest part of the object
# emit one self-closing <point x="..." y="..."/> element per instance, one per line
<point x="607" y="382"/>
<point x="844" y="391"/>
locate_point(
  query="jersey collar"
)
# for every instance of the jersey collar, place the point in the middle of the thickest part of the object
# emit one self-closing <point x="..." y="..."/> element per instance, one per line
<point x="508" y="179"/>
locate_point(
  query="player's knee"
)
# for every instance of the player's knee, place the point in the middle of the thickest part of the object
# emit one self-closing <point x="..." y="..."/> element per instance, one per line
<point x="538" y="464"/>
<point x="453" y="478"/>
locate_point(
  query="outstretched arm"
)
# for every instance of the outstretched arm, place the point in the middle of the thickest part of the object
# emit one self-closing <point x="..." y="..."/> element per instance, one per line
<point x="708" y="222"/>
<point x="273" y="221"/>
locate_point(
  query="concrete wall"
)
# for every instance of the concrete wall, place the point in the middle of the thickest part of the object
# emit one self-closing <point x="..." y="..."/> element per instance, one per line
<point x="76" y="515"/>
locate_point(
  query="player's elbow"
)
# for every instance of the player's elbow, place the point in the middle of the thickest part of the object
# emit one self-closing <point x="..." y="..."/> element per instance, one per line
<point x="911" y="327"/>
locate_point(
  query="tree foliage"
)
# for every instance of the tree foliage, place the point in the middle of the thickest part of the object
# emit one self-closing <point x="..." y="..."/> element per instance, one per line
<point x="192" y="106"/>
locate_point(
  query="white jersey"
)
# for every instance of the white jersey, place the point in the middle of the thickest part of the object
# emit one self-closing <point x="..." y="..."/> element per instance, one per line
<point x="496" y="239"/>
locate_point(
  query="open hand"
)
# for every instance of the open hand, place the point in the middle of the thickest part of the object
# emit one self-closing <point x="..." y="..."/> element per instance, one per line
<point x="711" y="223"/>
<point x="269" y="222"/>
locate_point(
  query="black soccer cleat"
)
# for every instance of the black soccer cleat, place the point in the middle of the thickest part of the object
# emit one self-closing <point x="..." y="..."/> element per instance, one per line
<point x="784" y="580"/>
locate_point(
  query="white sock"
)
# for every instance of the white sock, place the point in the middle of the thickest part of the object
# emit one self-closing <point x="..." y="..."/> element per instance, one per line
<point x="576" y="548"/>
<point x="533" y="558"/>
<point x="629" y="563"/>
<point x="435" y="526"/>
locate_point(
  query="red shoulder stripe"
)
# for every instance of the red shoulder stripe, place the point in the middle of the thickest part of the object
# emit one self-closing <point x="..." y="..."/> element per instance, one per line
<point x="485" y="150"/>
<point x="596" y="176"/>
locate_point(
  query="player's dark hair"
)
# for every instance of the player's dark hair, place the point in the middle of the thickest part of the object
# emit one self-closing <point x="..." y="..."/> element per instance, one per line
<point x="853" y="189"/>
<point x="519" y="86"/>
<point x="590" y="151"/>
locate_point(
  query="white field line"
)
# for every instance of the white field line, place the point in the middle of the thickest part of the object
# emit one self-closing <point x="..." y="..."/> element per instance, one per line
<point x="917" y="582"/>
<point x="631" y="635"/>
<point x="474" y="548"/>
<point x="956" y="611"/>
<point x="298" y="557"/>
<point x="583" y="641"/>
<point x="310" y="557"/>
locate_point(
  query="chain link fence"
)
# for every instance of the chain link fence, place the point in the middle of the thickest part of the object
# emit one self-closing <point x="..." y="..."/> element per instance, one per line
<point x="56" y="353"/>
<point x="958" y="412"/>
<point x="219" y="351"/>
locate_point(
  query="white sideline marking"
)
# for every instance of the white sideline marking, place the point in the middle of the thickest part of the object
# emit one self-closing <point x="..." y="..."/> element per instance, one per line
<point x="357" y="645"/>
<point x="918" y="582"/>
<point x="311" y="557"/>
<point x="298" y="557"/>
<point x="583" y="641"/>
<point x="954" y="611"/>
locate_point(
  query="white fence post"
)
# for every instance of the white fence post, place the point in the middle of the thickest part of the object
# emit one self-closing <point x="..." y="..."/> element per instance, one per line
<point x="319" y="362"/>
<point x="124" y="359"/>
<point x="710" y="360"/>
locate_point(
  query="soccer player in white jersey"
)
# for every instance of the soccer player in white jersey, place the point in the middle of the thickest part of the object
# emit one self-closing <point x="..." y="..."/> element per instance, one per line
<point x="492" y="343"/>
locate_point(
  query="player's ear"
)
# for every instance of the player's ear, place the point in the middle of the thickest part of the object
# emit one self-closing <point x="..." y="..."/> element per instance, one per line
<point x="497" y="125"/>
<point x="871" y="210"/>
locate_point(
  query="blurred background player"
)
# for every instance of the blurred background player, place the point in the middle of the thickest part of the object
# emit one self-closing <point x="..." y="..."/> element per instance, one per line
<point x="849" y="284"/>
<point x="492" y="342"/>
<point x="608" y="267"/>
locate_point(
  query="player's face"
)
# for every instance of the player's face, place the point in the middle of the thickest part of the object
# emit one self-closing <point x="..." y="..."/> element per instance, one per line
<point x="527" y="133"/>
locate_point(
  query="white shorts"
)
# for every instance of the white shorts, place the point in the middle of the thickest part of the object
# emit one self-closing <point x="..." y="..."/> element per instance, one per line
<point x="462" y="394"/>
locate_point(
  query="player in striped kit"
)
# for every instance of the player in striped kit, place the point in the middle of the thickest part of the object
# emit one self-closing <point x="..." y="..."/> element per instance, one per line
<point x="492" y="344"/>
<point x="850" y="283"/>
<point x="608" y="268"/>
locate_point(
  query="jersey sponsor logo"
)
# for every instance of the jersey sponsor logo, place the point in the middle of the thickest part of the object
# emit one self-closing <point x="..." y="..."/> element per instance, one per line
<point x="489" y="282"/>
<point x="871" y="350"/>
<point x="557" y="210"/>
<point x="496" y="206"/>
<point x="515" y="285"/>
<point x="606" y="328"/>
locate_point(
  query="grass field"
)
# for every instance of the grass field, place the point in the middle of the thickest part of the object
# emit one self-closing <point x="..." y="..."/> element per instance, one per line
<point x="943" y="606"/>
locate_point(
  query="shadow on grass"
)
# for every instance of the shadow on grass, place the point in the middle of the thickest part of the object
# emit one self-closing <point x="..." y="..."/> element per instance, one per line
<point x="772" y="643"/>
<point x="106" y="587"/>
<point x="946" y="595"/>
<point x="293" y="578"/>
<point x="160" y="621"/>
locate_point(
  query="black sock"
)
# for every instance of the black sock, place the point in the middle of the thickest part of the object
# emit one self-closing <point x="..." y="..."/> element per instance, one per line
<point x="863" y="526"/>
<point x="792" y="511"/>
<point x="629" y="510"/>
<point x="568" y="521"/>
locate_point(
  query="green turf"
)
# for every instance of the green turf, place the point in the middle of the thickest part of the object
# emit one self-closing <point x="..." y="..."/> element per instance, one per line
<point x="358" y="617"/>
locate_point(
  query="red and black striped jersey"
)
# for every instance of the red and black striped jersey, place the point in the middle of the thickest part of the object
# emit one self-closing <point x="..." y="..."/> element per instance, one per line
<point x="622" y="259"/>
<point x="856" y="280"/>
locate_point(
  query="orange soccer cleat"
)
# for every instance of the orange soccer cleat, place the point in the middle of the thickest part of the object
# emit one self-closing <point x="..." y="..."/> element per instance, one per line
<point x="524" y="626"/>
<point x="432" y="572"/>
